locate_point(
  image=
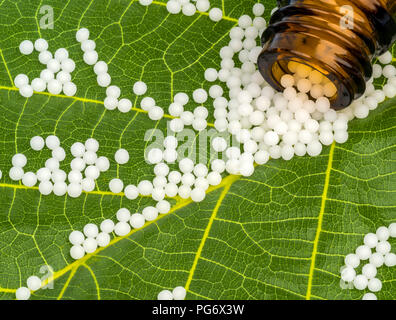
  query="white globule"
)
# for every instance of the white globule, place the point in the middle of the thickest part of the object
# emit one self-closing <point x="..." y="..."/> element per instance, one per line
<point x="77" y="252"/>
<point x="103" y="239"/>
<point x="137" y="220"/>
<point x="121" y="156"/>
<point x="116" y="185"/>
<point x="91" y="230"/>
<point x="82" y="35"/>
<point x="124" y="105"/>
<point x="33" y="283"/>
<point x="215" y="14"/>
<point x="107" y="226"/>
<point x="76" y="237"/>
<point x="26" y="47"/>
<point x="22" y="293"/>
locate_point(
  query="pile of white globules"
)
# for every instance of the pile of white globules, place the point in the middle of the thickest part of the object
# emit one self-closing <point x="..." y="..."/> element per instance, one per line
<point x="381" y="256"/>
<point x="86" y="167"/>
<point x="265" y="123"/>
<point x="90" y="239"/>
<point x="55" y="78"/>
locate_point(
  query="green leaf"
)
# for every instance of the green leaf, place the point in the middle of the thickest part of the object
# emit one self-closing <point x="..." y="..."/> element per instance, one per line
<point x="280" y="234"/>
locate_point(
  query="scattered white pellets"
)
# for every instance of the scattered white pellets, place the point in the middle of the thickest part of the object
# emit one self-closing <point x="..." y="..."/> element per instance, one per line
<point x="139" y="88"/>
<point x="26" y="47"/>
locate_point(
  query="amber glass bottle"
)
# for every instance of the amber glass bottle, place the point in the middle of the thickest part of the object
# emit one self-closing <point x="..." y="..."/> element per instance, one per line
<point x="338" y="38"/>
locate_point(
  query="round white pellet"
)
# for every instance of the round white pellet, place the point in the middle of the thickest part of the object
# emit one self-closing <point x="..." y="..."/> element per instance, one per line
<point x="45" y="57"/>
<point x="377" y="259"/>
<point x="22" y="293"/>
<point x="91" y="230"/>
<point x="165" y="294"/>
<point x="110" y="103"/>
<point x="352" y="260"/>
<point x="179" y="293"/>
<point x="113" y="91"/>
<point x="90" y="245"/>
<point x="43" y="174"/>
<point x="181" y="98"/>
<point x="392" y="230"/>
<point x="150" y="213"/>
<point x="258" y="9"/>
<point x="53" y="65"/>
<point x="77" y="149"/>
<point x="124" y="105"/>
<point x="369" y="271"/>
<point x="348" y="274"/>
<point x="121" y="156"/>
<point x="386" y="58"/>
<point x="102" y="163"/>
<point x="41" y="45"/>
<point x="29" y="179"/>
<point x="61" y="54"/>
<point x="210" y="74"/>
<point x="139" y="88"/>
<point x="163" y="206"/>
<point x="38" y="85"/>
<point x="21" y="80"/>
<point x="131" y="192"/>
<point x="137" y="220"/>
<point x="360" y="282"/>
<point x="122" y="229"/>
<point x="60" y="188"/>
<point x="77" y="252"/>
<point x="33" y="283"/>
<point x="45" y="187"/>
<point x="383" y="247"/>
<point x="37" y="143"/>
<point x="215" y="14"/>
<point x="90" y="57"/>
<point x="68" y="65"/>
<point x="54" y="86"/>
<point x="214" y="178"/>
<point x="82" y="34"/>
<point x="369" y="296"/>
<point x="374" y="285"/>
<point x="116" y="185"/>
<point x="26" y="91"/>
<point x="19" y="160"/>
<point x="69" y="89"/>
<point x="103" y="80"/>
<point x="59" y="154"/>
<point x="370" y="240"/>
<point x="363" y="252"/>
<point x="186" y="165"/>
<point x="92" y="144"/>
<point x="76" y="237"/>
<point x="88" y="45"/>
<point x="107" y="226"/>
<point x="173" y="6"/>
<point x="74" y="190"/>
<point x="390" y="260"/>
<point x="101" y="67"/>
<point x="154" y="156"/>
<point x="382" y="233"/>
<point x="47" y="75"/>
<point x="123" y="215"/>
<point x="145" y="187"/>
<point x="198" y="195"/>
<point x="77" y="164"/>
<point x="103" y="239"/>
<point x="90" y="157"/>
<point x="26" y="47"/>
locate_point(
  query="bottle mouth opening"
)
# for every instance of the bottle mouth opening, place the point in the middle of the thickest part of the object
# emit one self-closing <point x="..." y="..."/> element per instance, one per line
<point x="279" y="66"/>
